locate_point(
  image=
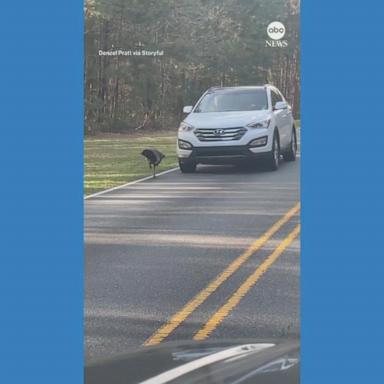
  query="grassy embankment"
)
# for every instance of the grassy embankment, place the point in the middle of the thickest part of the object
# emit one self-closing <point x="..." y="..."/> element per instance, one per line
<point x="116" y="159"/>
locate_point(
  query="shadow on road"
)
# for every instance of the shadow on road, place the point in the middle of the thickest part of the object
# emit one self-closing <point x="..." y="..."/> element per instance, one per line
<point x="235" y="169"/>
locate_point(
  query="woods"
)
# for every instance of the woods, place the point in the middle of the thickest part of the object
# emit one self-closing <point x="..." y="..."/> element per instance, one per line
<point x="204" y="43"/>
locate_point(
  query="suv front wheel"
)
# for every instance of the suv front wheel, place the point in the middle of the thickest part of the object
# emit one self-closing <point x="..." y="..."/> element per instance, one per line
<point x="187" y="166"/>
<point x="290" y="154"/>
<point x="274" y="156"/>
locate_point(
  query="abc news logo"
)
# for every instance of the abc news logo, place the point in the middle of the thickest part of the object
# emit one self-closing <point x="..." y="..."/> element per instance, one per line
<point x="276" y="31"/>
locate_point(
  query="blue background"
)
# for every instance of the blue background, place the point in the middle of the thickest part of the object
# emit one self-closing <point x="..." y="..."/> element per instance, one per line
<point x="342" y="192"/>
<point x="41" y="274"/>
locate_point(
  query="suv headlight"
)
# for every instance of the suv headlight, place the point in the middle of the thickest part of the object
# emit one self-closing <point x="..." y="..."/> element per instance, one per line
<point x="184" y="144"/>
<point x="260" y="124"/>
<point x="184" y="127"/>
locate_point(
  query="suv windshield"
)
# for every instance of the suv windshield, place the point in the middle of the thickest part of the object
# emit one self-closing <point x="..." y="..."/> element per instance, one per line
<point x="241" y="100"/>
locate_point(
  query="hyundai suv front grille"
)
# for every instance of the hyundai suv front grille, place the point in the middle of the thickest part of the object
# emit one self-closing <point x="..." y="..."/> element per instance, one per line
<point x="220" y="134"/>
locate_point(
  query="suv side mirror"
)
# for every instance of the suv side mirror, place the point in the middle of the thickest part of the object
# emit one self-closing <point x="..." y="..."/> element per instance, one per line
<point x="188" y="109"/>
<point x="281" y="105"/>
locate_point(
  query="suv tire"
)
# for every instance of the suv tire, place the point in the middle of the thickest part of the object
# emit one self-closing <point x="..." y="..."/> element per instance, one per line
<point x="274" y="156"/>
<point x="187" y="167"/>
<point x="290" y="154"/>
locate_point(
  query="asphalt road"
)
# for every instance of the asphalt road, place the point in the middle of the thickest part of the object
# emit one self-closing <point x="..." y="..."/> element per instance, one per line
<point x="193" y="256"/>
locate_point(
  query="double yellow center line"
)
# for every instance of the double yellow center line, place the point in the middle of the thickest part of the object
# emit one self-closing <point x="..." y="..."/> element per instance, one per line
<point x="203" y="295"/>
<point x="224" y="311"/>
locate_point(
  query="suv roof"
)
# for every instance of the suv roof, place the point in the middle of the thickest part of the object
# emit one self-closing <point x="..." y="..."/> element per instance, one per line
<point x="242" y="87"/>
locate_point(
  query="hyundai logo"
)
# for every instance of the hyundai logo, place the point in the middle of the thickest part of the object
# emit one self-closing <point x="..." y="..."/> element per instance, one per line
<point x="219" y="132"/>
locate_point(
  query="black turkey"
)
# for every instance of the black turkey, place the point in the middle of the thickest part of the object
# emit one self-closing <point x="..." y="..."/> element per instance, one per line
<point x="154" y="158"/>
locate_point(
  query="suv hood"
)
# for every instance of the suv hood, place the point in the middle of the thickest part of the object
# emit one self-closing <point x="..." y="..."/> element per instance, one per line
<point x="238" y="361"/>
<point x="225" y="119"/>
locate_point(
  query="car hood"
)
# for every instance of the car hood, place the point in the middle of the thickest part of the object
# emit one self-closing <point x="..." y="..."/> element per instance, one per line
<point x="240" y="361"/>
<point x="225" y="119"/>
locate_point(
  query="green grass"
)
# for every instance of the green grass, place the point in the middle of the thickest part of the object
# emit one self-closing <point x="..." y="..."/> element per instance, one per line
<point x="116" y="159"/>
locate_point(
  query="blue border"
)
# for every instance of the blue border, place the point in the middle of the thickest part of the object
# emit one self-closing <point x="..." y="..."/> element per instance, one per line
<point x="41" y="274"/>
<point x="342" y="192"/>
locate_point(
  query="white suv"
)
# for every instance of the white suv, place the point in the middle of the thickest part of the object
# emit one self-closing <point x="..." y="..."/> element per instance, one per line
<point x="233" y="124"/>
